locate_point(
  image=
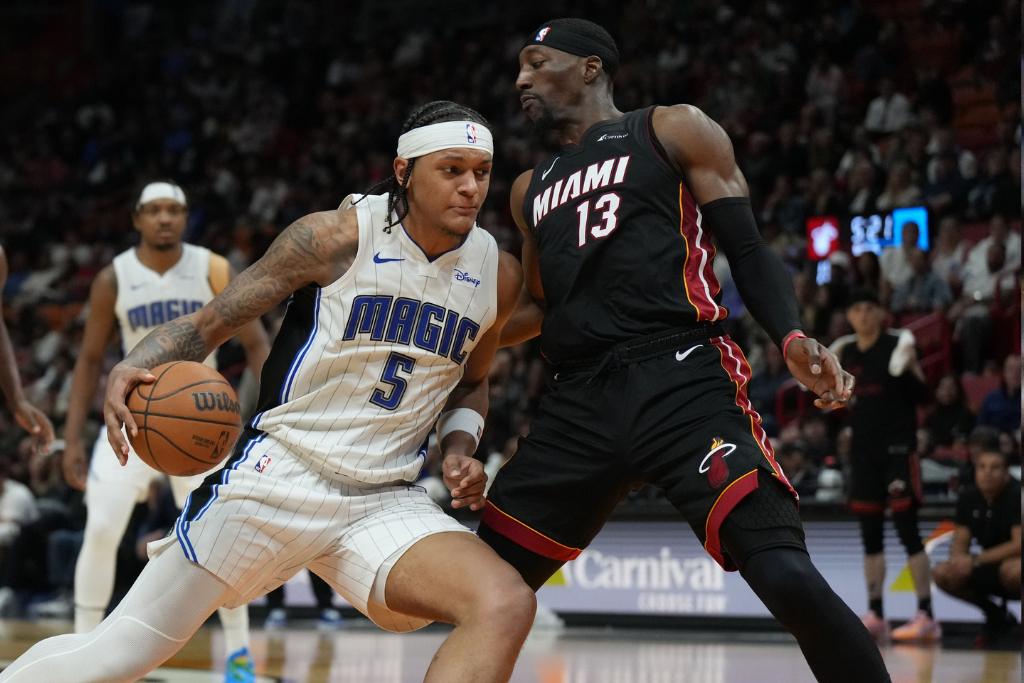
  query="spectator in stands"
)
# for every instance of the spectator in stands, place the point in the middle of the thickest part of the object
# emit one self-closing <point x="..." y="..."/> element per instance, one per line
<point x="798" y="468"/>
<point x="861" y="149"/>
<point x="996" y="190"/>
<point x="950" y="422"/>
<point x="900" y="190"/>
<point x="862" y="188"/>
<point x="895" y="261"/>
<point x="972" y="312"/>
<point x="17" y="509"/>
<point x="923" y="291"/>
<point x="816" y="437"/>
<point x="1001" y="407"/>
<point x="998" y="233"/>
<point x="890" y="111"/>
<point x="869" y="271"/>
<point x="947" y="193"/>
<point x="765" y="385"/>
<point x="950" y="250"/>
<point x="988" y="512"/>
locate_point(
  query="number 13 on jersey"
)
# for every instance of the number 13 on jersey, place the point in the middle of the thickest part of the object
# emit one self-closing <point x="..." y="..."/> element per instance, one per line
<point x="391" y="397"/>
<point x="608" y="204"/>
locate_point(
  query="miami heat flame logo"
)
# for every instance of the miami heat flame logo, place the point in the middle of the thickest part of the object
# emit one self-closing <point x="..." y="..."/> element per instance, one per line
<point x="714" y="463"/>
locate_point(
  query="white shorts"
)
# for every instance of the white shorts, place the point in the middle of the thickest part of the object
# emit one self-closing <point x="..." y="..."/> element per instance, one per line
<point x="269" y="515"/>
<point x="106" y="473"/>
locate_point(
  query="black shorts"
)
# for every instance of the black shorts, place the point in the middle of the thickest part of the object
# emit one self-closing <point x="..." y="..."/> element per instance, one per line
<point x="891" y="472"/>
<point x="986" y="580"/>
<point x="680" y="421"/>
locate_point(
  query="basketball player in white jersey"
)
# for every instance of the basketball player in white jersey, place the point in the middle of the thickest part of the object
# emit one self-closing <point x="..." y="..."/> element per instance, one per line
<point x="144" y="288"/>
<point x="397" y="303"/>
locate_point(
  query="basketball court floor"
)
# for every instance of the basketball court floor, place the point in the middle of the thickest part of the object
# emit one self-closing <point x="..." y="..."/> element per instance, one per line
<point x="362" y="653"/>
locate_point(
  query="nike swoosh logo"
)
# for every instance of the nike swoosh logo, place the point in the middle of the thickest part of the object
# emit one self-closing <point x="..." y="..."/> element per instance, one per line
<point x="545" y="173"/>
<point x="378" y="259"/>
<point x="681" y="355"/>
<point x="134" y="287"/>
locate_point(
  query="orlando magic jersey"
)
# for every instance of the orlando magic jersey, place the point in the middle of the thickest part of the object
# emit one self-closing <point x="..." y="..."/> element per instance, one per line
<point x="361" y="368"/>
<point x="620" y="244"/>
<point x="146" y="299"/>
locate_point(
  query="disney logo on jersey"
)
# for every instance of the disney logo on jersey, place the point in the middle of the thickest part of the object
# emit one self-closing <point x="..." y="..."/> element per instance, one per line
<point x="595" y="177"/>
<point x="408" y="321"/>
<point x="714" y="463"/>
<point x="466" y="279"/>
<point x="160" y="312"/>
<point x="211" y="400"/>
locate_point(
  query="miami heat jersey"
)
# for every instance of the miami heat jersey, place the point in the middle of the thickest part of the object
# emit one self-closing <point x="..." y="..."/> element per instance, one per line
<point x="621" y="247"/>
<point x="146" y="299"/>
<point x="361" y="368"/>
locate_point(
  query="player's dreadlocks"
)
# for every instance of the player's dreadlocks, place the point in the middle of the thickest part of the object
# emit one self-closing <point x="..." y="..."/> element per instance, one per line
<point x="432" y="112"/>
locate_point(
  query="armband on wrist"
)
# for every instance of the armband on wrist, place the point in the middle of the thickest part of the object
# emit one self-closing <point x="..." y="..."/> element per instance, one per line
<point x="785" y="345"/>
<point x="460" y="420"/>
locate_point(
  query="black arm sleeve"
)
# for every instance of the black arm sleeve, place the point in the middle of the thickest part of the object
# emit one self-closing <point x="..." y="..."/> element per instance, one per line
<point x="761" y="278"/>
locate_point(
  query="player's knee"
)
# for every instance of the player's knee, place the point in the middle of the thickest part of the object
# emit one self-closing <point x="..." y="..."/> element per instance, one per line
<point x="786" y="581"/>
<point x="871" y="532"/>
<point x="942" y="577"/>
<point x="100" y="537"/>
<point x="906" y="528"/>
<point x="505" y="603"/>
<point x="1009" y="575"/>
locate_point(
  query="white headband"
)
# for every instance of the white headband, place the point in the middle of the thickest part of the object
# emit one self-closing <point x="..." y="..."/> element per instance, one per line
<point x="161" y="191"/>
<point x="446" y="135"/>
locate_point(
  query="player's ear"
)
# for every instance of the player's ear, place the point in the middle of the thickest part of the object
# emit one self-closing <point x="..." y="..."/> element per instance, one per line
<point x="400" y="166"/>
<point x="591" y="69"/>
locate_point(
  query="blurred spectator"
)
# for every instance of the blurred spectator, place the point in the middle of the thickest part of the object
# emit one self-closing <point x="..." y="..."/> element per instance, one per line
<point x="972" y="312"/>
<point x="862" y="188"/>
<point x="900" y="190"/>
<point x="764" y="386"/>
<point x="996" y="192"/>
<point x="1001" y="407"/>
<point x="17" y="509"/>
<point x="817" y="441"/>
<point x="988" y="512"/>
<point x="797" y="467"/>
<point x="947" y="193"/>
<point x="951" y="421"/>
<point x="869" y="271"/>
<point x="998" y="233"/>
<point x="895" y="261"/>
<point x="950" y="250"/>
<point x="923" y="291"/>
<point x="890" y="111"/>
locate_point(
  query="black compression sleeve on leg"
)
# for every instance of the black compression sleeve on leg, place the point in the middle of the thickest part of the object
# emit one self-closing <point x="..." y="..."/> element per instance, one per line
<point x="872" y="531"/>
<point x="905" y="522"/>
<point x="835" y="643"/>
<point x="761" y="278"/>
<point x="535" y="569"/>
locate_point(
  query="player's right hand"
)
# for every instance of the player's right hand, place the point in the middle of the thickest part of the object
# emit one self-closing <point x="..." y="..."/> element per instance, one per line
<point x="75" y="464"/>
<point x="122" y="380"/>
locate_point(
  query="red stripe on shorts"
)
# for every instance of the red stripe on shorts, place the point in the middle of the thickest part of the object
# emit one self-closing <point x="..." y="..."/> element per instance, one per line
<point x="531" y="539"/>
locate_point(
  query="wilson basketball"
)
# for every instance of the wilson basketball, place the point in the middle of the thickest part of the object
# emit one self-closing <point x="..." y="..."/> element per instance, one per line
<point x="188" y="419"/>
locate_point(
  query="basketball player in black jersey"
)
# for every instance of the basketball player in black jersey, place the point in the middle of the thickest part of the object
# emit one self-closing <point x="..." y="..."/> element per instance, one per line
<point x="617" y="257"/>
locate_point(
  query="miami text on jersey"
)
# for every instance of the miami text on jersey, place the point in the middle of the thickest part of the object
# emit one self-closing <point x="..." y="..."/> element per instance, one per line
<point x="579" y="183"/>
<point x="160" y="312"/>
<point x="401" y="321"/>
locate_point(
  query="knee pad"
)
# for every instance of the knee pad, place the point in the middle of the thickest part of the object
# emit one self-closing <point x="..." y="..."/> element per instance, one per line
<point x="871" y="531"/>
<point x="766" y="518"/>
<point x="906" y="527"/>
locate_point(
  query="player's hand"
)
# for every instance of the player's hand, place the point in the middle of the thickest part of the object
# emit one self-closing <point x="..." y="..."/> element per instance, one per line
<point x="35" y="422"/>
<point x="465" y="478"/>
<point x="818" y="369"/>
<point x="122" y="380"/>
<point x="75" y="464"/>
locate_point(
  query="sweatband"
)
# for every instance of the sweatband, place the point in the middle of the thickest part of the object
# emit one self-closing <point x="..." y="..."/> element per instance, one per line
<point x="161" y="190"/>
<point x="562" y="37"/>
<point x="444" y="135"/>
<point x="460" y="420"/>
<point x="760" y="276"/>
<point x="797" y="335"/>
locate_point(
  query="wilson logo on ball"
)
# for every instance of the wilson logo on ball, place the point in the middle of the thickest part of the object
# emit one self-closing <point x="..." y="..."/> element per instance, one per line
<point x="714" y="463"/>
<point x="211" y="400"/>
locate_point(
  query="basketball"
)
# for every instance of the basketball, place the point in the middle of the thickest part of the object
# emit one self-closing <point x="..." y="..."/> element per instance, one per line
<point x="188" y="419"/>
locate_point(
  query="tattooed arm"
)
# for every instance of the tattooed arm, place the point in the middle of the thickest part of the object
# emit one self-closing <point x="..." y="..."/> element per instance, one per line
<point x="318" y="248"/>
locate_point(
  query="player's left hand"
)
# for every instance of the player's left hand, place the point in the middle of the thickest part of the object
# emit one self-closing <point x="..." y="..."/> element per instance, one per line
<point x="818" y="369"/>
<point x="465" y="478"/>
<point x="35" y="422"/>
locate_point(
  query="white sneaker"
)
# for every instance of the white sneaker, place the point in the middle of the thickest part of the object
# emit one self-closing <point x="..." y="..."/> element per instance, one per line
<point x="547" y="620"/>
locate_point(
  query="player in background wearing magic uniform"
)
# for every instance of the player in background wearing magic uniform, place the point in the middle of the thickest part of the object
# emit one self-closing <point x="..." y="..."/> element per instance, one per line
<point x="143" y="288"/>
<point x="397" y="303"/>
<point x="883" y="459"/>
<point x="617" y="260"/>
<point x="30" y="418"/>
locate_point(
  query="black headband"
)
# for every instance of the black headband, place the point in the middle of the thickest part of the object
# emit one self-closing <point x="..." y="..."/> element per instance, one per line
<point x="564" y="38"/>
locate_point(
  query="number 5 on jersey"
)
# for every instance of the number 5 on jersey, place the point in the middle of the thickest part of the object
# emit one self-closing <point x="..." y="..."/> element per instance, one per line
<point x="389" y="399"/>
<point x="609" y="221"/>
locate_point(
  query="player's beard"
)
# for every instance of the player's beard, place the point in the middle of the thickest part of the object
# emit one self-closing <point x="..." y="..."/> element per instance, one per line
<point x="165" y="247"/>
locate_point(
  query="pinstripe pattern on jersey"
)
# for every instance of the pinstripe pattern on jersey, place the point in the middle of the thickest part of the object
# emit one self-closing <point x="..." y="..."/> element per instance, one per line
<point x="324" y="376"/>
